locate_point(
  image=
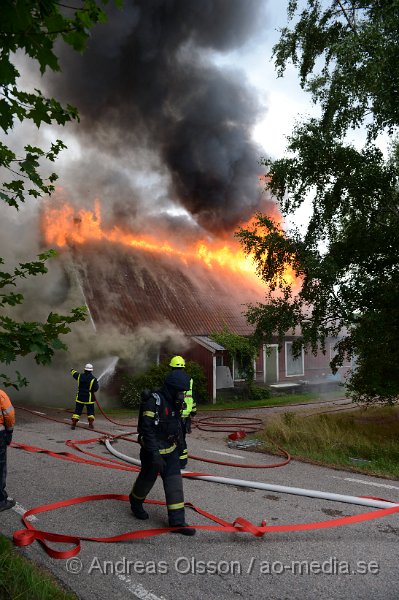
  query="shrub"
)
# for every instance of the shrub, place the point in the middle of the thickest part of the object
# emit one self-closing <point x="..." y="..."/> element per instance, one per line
<point x="154" y="378"/>
<point x="258" y="393"/>
<point x="197" y="373"/>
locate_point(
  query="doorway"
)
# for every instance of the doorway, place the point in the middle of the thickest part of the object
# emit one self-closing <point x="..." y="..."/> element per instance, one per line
<point x="270" y="354"/>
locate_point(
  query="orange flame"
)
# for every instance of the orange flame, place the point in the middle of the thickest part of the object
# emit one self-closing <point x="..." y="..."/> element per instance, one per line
<point x="65" y="225"/>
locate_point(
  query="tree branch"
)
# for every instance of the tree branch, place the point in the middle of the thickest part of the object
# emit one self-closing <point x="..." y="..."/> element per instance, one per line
<point x="351" y="25"/>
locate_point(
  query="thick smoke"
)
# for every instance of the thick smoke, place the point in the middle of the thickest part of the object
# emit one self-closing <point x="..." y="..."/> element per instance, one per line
<point x="163" y="124"/>
<point x="108" y="349"/>
<point x="153" y="103"/>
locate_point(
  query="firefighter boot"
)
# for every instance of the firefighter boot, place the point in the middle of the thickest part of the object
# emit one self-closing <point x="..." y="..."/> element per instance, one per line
<point x="74" y="421"/>
<point x="137" y="509"/>
<point x="9" y="503"/>
<point x="184" y="530"/>
<point x="91" y="423"/>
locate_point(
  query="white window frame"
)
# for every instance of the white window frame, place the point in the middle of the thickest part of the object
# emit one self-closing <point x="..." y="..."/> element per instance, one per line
<point x="302" y="356"/>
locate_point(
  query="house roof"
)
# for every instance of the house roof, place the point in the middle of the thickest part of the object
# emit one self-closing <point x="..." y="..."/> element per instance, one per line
<point x="208" y="343"/>
<point x="131" y="287"/>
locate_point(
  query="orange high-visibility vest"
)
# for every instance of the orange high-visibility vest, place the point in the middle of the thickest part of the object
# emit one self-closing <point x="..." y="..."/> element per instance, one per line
<point x="7" y="413"/>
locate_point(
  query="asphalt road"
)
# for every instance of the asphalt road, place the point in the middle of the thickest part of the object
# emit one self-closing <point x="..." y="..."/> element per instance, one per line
<point x="355" y="561"/>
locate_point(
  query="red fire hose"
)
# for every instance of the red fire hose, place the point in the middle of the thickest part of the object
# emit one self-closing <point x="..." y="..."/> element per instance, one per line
<point x="26" y="536"/>
<point x="245" y="424"/>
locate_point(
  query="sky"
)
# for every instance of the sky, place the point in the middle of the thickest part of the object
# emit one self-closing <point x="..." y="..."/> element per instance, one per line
<point x="283" y="98"/>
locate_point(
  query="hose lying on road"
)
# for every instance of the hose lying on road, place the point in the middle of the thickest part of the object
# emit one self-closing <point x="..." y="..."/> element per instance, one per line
<point x="26" y="536"/>
<point x="74" y="444"/>
<point x="361" y="501"/>
<point x="245" y="424"/>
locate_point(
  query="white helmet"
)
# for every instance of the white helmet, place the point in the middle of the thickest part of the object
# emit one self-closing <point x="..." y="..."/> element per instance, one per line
<point x="88" y="367"/>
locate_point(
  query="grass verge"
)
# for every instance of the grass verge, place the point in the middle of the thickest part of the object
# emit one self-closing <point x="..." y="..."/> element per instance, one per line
<point x="364" y="440"/>
<point x="243" y="403"/>
<point x="280" y="400"/>
<point x="20" y="579"/>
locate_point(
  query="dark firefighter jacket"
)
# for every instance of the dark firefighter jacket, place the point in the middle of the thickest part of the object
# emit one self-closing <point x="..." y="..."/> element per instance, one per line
<point x="87" y="385"/>
<point x="159" y="424"/>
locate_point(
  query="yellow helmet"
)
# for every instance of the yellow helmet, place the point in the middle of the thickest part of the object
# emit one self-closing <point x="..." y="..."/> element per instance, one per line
<point x="177" y="361"/>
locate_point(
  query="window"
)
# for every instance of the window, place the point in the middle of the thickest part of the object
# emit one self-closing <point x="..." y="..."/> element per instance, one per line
<point x="239" y="373"/>
<point x="293" y="366"/>
<point x="219" y="360"/>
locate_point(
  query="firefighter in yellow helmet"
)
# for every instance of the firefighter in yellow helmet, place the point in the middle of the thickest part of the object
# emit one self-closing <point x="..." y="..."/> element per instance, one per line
<point x="7" y="422"/>
<point x="87" y="386"/>
<point x="189" y="410"/>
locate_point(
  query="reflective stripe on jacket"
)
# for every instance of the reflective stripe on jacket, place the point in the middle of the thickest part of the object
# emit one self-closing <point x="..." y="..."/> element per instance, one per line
<point x="7" y="413"/>
<point x="159" y="424"/>
<point x="87" y="385"/>
<point x="191" y="405"/>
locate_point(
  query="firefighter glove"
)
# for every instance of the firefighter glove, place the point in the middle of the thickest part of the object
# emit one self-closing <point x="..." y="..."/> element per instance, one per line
<point x="158" y="461"/>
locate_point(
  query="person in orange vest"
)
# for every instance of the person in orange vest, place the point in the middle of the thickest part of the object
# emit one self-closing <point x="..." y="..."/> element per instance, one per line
<point x="7" y="422"/>
<point x="87" y="386"/>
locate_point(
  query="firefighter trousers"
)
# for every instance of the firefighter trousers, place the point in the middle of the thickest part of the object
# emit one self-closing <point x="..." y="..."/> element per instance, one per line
<point x="172" y="484"/>
<point x="79" y="406"/>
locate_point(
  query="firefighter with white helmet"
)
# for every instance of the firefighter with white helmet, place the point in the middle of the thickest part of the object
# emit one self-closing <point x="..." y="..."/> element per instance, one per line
<point x="87" y="386"/>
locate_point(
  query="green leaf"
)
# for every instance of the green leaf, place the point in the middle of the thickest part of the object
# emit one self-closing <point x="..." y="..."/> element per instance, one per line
<point x="57" y="344"/>
<point x="6" y="115"/>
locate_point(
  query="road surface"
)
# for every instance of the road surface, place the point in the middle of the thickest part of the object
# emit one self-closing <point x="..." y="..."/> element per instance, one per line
<point x="355" y="561"/>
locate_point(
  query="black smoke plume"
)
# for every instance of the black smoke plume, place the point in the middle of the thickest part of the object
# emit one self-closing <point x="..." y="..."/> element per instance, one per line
<point x="154" y="95"/>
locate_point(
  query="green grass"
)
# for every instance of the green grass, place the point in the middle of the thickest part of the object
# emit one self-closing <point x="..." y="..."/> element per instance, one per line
<point x="20" y="579"/>
<point x="336" y="439"/>
<point x="280" y="400"/>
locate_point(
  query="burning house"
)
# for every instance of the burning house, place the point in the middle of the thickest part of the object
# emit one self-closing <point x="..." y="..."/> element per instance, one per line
<point x="130" y="281"/>
<point x="165" y="140"/>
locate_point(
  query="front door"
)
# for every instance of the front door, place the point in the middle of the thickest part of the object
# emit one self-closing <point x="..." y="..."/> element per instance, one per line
<point x="271" y="360"/>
